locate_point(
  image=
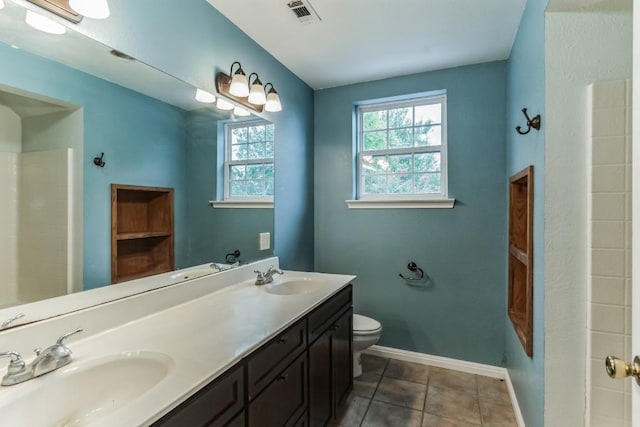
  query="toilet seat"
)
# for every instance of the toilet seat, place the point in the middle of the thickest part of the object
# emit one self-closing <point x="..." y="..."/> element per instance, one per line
<point x="363" y="325"/>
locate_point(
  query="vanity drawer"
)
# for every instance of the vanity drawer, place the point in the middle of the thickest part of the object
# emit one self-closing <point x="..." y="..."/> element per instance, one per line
<point x="213" y="406"/>
<point x="325" y="315"/>
<point x="264" y="366"/>
<point x="284" y="401"/>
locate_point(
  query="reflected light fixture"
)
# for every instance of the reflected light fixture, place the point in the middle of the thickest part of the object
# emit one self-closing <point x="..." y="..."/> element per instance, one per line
<point x="239" y="85"/>
<point x="43" y="23"/>
<point x="256" y="93"/>
<point x="1" y="4"/>
<point x="223" y="104"/>
<point x="96" y="9"/>
<point x="241" y="112"/>
<point x="205" y="97"/>
<point x="273" y="104"/>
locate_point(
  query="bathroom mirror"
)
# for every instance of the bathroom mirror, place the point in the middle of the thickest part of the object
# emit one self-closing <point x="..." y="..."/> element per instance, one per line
<point x="67" y="100"/>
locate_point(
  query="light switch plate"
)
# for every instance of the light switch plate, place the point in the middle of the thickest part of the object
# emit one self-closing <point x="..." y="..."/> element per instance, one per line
<point x="265" y="241"/>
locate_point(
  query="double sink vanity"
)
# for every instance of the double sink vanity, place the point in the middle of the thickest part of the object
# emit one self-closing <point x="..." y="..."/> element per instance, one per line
<point x="215" y="350"/>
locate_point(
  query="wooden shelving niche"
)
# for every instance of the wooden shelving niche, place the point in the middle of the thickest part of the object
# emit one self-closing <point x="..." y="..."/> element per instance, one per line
<point x="521" y="256"/>
<point x="141" y="231"/>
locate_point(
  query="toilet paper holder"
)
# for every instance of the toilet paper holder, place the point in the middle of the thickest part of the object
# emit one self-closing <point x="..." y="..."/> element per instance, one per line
<point x="412" y="266"/>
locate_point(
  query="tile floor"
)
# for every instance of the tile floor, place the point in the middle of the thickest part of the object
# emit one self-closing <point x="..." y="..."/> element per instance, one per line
<point x="393" y="393"/>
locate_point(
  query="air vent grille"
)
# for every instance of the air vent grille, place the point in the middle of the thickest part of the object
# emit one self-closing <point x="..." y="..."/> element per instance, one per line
<point x="303" y="10"/>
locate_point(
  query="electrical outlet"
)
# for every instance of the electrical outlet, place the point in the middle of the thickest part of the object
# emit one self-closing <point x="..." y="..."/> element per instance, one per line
<point x="264" y="241"/>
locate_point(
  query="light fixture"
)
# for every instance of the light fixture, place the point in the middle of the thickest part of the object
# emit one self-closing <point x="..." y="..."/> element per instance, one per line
<point x="223" y="104"/>
<point x="96" y="9"/>
<point x="241" y="112"/>
<point x="273" y="104"/>
<point x="205" y="97"/>
<point x="239" y="85"/>
<point x="256" y="93"/>
<point x="1" y="4"/>
<point x="43" y="23"/>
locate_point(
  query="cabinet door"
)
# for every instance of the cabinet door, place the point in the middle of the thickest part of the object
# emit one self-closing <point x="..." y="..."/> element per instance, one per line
<point x="320" y="380"/>
<point x="342" y="359"/>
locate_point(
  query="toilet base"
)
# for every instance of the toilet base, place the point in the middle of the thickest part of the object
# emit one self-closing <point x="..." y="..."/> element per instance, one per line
<point x="357" y="364"/>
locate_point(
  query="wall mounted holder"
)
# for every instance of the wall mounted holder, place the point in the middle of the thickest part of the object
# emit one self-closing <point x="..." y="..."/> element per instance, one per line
<point x="412" y="266"/>
<point x="234" y="256"/>
<point x="531" y="123"/>
<point x="98" y="161"/>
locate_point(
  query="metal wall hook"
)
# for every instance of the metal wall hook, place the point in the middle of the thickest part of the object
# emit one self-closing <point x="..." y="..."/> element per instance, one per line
<point x="98" y="161"/>
<point x="412" y="266"/>
<point x="531" y="123"/>
<point x="234" y="255"/>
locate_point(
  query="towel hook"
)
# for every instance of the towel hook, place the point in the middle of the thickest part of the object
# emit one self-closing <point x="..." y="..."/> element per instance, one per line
<point x="531" y="123"/>
<point x="412" y="266"/>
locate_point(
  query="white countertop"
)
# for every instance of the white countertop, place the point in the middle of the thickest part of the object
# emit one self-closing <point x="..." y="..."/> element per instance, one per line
<point x="203" y="337"/>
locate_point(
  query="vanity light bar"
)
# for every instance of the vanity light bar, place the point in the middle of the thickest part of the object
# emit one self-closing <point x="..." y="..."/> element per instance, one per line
<point x="249" y="92"/>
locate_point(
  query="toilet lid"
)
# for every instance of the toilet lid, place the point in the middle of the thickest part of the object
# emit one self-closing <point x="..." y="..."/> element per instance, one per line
<point x="364" y="323"/>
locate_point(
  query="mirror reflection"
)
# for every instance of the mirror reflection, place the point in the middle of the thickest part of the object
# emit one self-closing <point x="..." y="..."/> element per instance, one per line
<point x="64" y="105"/>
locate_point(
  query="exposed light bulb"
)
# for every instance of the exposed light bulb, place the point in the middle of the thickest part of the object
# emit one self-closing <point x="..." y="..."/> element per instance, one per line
<point x="223" y="104"/>
<point x="241" y="112"/>
<point x="95" y="9"/>
<point x="43" y="23"/>
<point x="205" y="97"/>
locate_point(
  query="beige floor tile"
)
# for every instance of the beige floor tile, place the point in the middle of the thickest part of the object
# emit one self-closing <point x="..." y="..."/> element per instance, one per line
<point x="353" y="412"/>
<point x="382" y="414"/>
<point x="414" y="372"/>
<point x="429" y="420"/>
<point x="493" y="389"/>
<point x="365" y="385"/>
<point x="402" y="393"/>
<point x="374" y="364"/>
<point x="453" y="404"/>
<point x="454" y="380"/>
<point x="497" y="414"/>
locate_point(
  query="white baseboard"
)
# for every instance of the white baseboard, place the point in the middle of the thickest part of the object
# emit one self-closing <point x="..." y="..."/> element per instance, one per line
<point x="455" y="364"/>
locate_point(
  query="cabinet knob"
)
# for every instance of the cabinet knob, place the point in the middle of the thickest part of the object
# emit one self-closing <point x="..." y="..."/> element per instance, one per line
<point x="283" y="377"/>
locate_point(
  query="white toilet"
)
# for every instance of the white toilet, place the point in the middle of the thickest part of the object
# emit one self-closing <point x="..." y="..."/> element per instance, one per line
<point x="366" y="332"/>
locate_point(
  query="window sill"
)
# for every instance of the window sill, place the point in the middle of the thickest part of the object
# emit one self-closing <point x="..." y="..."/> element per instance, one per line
<point x="401" y="204"/>
<point x="241" y="204"/>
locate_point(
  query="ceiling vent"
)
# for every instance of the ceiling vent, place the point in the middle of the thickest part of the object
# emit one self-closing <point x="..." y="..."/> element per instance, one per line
<point x="303" y="11"/>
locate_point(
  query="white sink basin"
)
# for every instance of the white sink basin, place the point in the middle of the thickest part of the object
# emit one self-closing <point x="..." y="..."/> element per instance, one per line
<point x="297" y="286"/>
<point x="192" y="274"/>
<point x="79" y="394"/>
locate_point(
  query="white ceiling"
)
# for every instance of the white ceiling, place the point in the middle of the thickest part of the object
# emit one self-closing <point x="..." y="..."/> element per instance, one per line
<point x="363" y="40"/>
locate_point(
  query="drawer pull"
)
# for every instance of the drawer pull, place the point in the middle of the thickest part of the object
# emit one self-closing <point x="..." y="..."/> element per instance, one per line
<point x="283" y="377"/>
<point x="282" y="340"/>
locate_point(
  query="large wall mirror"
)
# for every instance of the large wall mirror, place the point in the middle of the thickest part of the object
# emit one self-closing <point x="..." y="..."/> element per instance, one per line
<point x="66" y="99"/>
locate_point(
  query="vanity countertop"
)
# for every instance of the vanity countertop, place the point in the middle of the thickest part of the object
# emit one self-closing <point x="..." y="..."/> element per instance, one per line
<point x="203" y="338"/>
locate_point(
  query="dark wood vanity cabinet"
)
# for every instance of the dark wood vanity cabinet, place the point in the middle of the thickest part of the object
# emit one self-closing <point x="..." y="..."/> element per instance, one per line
<point x="299" y="378"/>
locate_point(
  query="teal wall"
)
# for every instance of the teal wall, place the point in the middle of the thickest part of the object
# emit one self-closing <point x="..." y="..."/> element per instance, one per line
<point x="193" y="42"/>
<point x="143" y="140"/>
<point x="461" y="313"/>
<point x="526" y="89"/>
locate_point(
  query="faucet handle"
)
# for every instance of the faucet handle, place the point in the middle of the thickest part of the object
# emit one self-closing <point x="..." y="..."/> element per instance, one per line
<point x="259" y="273"/>
<point x="61" y="340"/>
<point x="16" y="365"/>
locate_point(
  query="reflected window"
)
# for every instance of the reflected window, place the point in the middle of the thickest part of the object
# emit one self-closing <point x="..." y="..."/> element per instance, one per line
<point x="248" y="168"/>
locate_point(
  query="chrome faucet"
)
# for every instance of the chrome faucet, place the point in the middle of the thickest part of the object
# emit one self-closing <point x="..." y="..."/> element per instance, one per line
<point x="47" y="360"/>
<point x="222" y="267"/>
<point x="266" y="277"/>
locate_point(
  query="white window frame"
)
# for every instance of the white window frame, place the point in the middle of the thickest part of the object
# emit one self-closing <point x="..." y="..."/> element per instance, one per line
<point x="239" y="201"/>
<point x="434" y="200"/>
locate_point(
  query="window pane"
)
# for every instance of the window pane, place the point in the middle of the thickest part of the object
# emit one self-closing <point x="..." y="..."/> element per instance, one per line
<point x="255" y="171"/>
<point x="237" y="172"/>
<point x="427" y="183"/>
<point x="401" y="138"/>
<point x="375" y="184"/>
<point x="374" y="164"/>
<point x="268" y="190"/>
<point x="269" y="150"/>
<point x="270" y="131"/>
<point x="255" y="188"/>
<point x="400" y="164"/>
<point x="428" y="114"/>
<point x="237" y="188"/>
<point x="428" y="135"/>
<point x="238" y="152"/>
<point x="427" y="162"/>
<point x="256" y="133"/>
<point x="399" y="184"/>
<point x="374" y="120"/>
<point x="400" y="117"/>
<point x="375" y="140"/>
<point x="238" y="135"/>
<point x="268" y="171"/>
<point x="257" y="151"/>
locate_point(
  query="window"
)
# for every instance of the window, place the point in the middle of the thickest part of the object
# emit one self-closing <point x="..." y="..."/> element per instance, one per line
<point x="248" y="167"/>
<point x="402" y="152"/>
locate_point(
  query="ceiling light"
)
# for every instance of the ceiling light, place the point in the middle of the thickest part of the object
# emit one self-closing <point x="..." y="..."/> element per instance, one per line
<point x="241" y="112"/>
<point x="96" y="9"/>
<point x="43" y="23"/>
<point x="239" y="85"/>
<point x="223" y="104"/>
<point x="256" y="93"/>
<point x="205" y="97"/>
<point x="273" y="104"/>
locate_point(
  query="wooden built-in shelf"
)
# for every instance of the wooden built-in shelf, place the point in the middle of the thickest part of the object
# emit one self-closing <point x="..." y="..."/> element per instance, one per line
<point x="141" y="231"/>
<point x="521" y="256"/>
